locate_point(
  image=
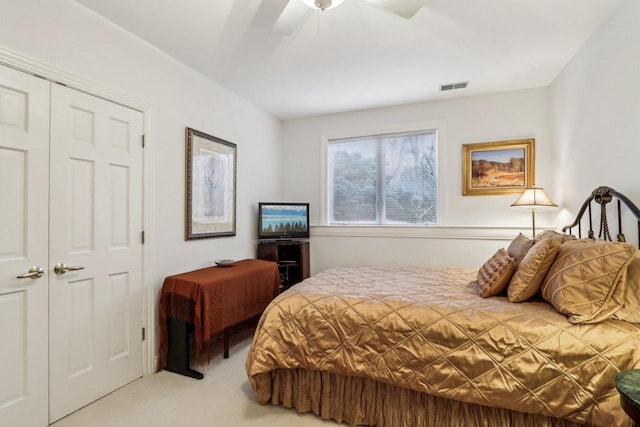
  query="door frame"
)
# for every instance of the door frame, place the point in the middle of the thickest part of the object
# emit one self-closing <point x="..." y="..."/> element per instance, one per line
<point x="35" y="67"/>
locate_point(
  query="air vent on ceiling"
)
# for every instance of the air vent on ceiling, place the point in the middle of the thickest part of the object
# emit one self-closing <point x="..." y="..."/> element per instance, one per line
<point x="452" y="86"/>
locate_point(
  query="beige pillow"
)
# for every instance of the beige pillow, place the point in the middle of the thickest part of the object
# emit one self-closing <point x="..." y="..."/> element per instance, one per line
<point x="529" y="275"/>
<point x="519" y="247"/>
<point x="554" y="235"/>
<point x="630" y="311"/>
<point x="494" y="275"/>
<point x="587" y="280"/>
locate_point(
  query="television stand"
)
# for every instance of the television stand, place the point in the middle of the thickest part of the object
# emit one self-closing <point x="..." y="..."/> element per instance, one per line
<point x="292" y="257"/>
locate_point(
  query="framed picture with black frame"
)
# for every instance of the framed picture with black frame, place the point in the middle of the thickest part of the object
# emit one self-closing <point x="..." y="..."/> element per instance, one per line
<point x="210" y="186"/>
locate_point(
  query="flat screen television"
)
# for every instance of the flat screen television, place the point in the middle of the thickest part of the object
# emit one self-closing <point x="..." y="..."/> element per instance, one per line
<point x="283" y="221"/>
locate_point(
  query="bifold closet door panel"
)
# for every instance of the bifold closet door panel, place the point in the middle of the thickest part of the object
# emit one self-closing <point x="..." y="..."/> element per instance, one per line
<point x="96" y="243"/>
<point x="24" y="240"/>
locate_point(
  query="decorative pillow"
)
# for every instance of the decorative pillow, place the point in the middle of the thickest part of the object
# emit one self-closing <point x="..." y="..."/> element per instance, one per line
<point x="630" y="312"/>
<point x="519" y="247"/>
<point x="587" y="280"/>
<point x="554" y="235"/>
<point x="529" y="275"/>
<point x="494" y="275"/>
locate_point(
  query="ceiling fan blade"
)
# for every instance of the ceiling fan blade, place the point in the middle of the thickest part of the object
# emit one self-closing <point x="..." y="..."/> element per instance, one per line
<point x="292" y="17"/>
<point x="405" y="8"/>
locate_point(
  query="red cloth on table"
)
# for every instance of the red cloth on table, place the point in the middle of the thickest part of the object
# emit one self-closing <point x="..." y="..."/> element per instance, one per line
<point x="216" y="298"/>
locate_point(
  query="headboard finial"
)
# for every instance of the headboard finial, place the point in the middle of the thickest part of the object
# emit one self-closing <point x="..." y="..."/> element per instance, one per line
<point x="602" y="194"/>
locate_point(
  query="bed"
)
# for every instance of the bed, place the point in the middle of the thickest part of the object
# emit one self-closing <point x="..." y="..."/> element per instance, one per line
<point x="408" y="346"/>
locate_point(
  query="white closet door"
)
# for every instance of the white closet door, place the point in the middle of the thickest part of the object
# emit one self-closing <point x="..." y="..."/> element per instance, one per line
<point x="24" y="198"/>
<point x="96" y="224"/>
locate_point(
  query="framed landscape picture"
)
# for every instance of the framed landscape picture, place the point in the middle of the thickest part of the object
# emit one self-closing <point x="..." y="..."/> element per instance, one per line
<point x="211" y="186"/>
<point x="498" y="167"/>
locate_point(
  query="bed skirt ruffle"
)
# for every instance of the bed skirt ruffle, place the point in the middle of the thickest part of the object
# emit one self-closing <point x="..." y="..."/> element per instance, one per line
<point x="364" y="402"/>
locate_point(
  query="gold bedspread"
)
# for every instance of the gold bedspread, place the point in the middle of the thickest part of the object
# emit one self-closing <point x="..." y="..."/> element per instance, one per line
<point x="429" y="331"/>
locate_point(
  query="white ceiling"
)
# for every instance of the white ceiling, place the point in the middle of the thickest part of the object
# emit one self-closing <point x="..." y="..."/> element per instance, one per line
<point x="358" y="55"/>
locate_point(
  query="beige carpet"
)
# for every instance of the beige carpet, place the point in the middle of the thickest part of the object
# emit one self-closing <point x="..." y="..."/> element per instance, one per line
<point x="223" y="398"/>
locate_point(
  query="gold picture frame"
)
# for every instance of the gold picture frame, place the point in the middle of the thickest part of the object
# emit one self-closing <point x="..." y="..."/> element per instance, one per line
<point x="211" y="186"/>
<point x="502" y="167"/>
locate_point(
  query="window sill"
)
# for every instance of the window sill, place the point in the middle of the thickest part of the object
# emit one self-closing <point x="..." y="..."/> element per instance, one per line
<point x="423" y="232"/>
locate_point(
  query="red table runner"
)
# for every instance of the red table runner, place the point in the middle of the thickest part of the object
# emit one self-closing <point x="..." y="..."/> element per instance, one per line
<point x="216" y="298"/>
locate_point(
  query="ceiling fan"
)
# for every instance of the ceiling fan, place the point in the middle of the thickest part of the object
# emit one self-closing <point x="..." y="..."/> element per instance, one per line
<point x="296" y="10"/>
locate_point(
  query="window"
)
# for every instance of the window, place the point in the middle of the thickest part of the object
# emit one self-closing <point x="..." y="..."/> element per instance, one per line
<point x="383" y="179"/>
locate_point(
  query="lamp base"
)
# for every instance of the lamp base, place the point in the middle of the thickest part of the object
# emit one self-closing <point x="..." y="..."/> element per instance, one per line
<point x="533" y="223"/>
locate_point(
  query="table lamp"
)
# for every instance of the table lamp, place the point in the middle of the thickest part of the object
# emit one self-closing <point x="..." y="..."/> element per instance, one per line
<point x="534" y="198"/>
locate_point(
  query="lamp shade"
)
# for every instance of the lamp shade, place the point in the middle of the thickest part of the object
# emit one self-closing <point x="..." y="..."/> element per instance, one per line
<point x="534" y="198"/>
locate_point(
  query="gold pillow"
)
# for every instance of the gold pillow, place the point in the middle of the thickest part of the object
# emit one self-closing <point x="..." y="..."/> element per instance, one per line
<point x="630" y="311"/>
<point x="554" y="235"/>
<point x="519" y="247"/>
<point x="587" y="280"/>
<point x="529" y="275"/>
<point x="494" y="275"/>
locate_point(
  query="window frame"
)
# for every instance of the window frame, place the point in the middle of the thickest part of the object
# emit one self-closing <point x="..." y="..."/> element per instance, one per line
<point x="436" y="126"/>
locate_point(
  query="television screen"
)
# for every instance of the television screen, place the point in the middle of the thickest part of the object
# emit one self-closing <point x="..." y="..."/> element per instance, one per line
<point x="283" y="220"/>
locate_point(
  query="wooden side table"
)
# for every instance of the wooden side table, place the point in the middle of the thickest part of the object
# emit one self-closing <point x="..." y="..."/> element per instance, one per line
<point x="205" y="304"/>
<point x="628" y="384"/>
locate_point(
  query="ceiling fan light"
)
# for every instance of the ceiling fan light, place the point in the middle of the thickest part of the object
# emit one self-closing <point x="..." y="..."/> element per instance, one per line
<point x="322" y="4"/>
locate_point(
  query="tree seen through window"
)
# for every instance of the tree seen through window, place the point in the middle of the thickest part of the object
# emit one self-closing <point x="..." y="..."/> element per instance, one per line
<point x="384" y="179"/>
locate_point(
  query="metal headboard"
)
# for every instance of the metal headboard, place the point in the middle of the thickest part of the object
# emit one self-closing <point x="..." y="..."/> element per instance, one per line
<point x="603" y="195"/>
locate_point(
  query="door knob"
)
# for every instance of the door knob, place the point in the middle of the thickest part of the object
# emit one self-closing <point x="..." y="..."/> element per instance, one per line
<point x="34" y="273"/>
<point x="61" y="268"/>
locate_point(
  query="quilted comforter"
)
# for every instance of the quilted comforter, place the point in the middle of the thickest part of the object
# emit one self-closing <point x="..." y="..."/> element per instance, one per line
<point x="428" y="330"/>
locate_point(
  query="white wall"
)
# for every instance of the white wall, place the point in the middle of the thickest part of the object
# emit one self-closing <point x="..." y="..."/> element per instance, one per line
<point x="595" y="102"/>
<point x="67" y="36"/>
<point x="504" y="116"/>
